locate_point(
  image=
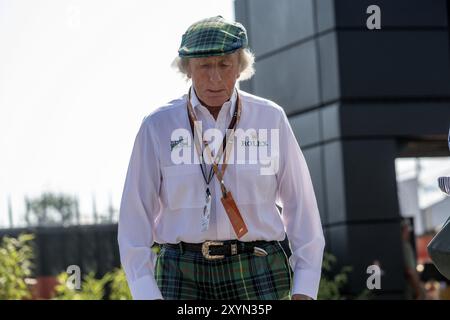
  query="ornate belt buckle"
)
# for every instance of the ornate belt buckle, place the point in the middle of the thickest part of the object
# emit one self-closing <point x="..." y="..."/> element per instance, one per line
<point x="205" y="250"/>
<point x="260" y="252"/>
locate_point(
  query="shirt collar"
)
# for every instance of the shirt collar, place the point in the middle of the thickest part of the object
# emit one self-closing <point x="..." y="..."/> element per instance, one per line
<point x="230" y="104"/>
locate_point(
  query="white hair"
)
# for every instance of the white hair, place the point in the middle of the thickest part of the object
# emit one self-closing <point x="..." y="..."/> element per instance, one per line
<point x="246" y="65"/>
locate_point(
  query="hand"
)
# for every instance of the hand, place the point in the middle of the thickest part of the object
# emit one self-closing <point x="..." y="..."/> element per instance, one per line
<point x="298" y="296"/>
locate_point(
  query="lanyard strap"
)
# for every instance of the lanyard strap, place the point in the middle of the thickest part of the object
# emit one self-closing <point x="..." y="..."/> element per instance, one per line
<point x="226" y="145"/>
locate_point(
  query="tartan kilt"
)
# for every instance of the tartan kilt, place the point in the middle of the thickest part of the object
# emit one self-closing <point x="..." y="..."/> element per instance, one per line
<point x="189" y="276"/>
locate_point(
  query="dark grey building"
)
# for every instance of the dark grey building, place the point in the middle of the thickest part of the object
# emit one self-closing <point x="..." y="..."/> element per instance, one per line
<point x="357" y="99"/>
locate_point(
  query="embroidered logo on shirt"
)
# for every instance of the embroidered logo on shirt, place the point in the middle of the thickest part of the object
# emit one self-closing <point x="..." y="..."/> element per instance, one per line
<point x="254" y="142"/>
<point x="178" y="143"/>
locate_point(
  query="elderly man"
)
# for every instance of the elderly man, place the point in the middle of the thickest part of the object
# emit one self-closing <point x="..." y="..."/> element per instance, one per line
<point x="206" y="174"/>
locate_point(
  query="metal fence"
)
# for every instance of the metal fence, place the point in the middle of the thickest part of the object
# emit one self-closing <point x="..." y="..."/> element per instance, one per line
<point x="93" y="248"/>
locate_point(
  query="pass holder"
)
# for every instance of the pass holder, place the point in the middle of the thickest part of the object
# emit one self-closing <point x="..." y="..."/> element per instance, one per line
<point x="234" y="215"/>
<point x="206" y="212"/>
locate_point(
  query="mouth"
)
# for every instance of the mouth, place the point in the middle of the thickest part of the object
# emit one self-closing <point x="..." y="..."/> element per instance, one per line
<point x="215" y="91"/>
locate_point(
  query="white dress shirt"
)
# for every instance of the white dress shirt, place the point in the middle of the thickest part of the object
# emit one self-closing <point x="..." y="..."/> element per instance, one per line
<point x="163" y="201"/>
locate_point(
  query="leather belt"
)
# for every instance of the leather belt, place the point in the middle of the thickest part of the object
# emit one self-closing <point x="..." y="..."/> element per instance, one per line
<point x="214" y="250"/>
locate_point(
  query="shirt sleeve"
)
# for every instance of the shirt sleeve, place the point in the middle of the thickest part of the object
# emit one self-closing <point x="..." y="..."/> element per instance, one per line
<point x="300" y="214"/>
<point x="138" y="210"/>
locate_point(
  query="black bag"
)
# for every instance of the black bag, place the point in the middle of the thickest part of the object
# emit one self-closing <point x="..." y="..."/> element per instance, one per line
<point x="439" y="250"/>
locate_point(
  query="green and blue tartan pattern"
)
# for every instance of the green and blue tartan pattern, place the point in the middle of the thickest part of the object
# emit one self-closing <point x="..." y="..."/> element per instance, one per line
<point x="189" y="276"/>
<point x="212" y="37"/>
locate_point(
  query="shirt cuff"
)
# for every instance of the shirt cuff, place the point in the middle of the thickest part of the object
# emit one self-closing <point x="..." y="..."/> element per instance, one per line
<point x="145" y="288"/>
<point x="306" y="282"/>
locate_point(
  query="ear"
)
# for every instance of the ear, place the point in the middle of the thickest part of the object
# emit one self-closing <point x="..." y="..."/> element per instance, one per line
<point x="188" y="69"/>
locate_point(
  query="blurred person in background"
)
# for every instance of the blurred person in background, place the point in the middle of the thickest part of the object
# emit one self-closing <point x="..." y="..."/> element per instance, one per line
<point x="414" y="287"/>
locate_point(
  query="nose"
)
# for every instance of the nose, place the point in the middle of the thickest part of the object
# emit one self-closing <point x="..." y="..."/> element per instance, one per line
<point x="214" y="74"/>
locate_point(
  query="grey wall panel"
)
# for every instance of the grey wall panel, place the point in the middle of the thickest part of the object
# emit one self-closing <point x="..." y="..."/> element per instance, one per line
<point x="284" y="23"/>
<point x="306" y="127"/>
<point x="313" y="157"/>
<point x="246" y="85"/>
<point x="289" y="78"/>
<point x="403" y="121"/>
<point x="325" y="15"/>
<point x="331" y="122"/>
<point x="328" y="242"/>
<point x="329" y="67"/>
<point x="398" y="13"/>
<point x="370" y="183"/>
<point x="241" y="13"/>
<point x="242" y="16"/>
<point x="394" y="64"/>
<point x="334" y="182"/>
<point x="395" y="119"/>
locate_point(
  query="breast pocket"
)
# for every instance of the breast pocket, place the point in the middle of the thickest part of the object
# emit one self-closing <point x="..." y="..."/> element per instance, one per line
<point x="253" y="185"/>
<point x="183" y="186"/>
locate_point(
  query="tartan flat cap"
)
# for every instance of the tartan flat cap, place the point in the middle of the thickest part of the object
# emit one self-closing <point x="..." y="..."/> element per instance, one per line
<point x="212" y="37"/>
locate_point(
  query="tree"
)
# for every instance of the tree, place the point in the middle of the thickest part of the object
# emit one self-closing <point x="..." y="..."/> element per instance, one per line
<point x="51" y="209"/>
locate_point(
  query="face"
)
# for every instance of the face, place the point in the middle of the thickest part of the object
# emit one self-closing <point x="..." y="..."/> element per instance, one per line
<point x="214" y="77"/>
